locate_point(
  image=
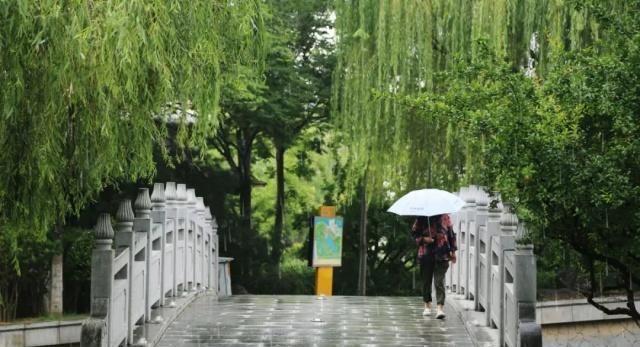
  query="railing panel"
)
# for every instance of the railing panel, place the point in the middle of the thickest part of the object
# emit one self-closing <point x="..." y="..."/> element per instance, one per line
<point x="138" y="291"/>
<point x="169" y="243"/>
<point x="463" y="255"/>
<point x="167" y="276"/>
<point x="180" y="260"/>
<point x="118" y="313"/>
<point x="190" y="258"/>
<point x="199" y="258"/>
<point x="471" y="271"/>
<point x="155" y="274"/>
<point x="510" y="307"/>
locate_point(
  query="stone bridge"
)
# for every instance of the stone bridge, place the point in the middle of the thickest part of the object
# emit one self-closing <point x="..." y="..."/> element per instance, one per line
<point x="159" y="281"/>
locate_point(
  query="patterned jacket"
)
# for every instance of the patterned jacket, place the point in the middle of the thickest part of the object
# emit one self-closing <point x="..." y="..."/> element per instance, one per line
<point x="445" y="240"/>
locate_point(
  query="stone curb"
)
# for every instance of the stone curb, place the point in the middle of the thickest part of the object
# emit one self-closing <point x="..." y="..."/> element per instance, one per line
<point x="155" y="332"/>
<point x="481" y="335"/>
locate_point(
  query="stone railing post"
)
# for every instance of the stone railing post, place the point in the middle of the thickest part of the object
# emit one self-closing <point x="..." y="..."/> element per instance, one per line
<point x="126" y="238"/>
<point x="215" y="247"/>
<point x="493" y="231"/>
<point x="469" y="211"/>
<point x="95" y="331"/>
<point x="209" y="248"/>
<point x="454" y="282"/>
<point x="199" y="244"/>
<point x="500" y="245"/>
<point x="142" y="224"/>
<point x="181" y="240"/>
<point x="159" y="221"/>
<point x="529" y="333"/>
<point x="192" y="216"/>
<point x="169" y="272"/>
<point x="480" y="261"/>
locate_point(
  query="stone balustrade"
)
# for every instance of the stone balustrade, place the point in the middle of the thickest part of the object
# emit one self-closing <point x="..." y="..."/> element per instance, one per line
<point x="166" y="250"/>
<point x="495" y="272"/>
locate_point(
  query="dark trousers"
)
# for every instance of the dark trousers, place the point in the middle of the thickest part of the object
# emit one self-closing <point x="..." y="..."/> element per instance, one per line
<point x="433" y="271"/>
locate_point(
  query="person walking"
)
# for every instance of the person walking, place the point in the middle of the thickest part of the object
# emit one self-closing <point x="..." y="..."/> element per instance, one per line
<point x="436" y="247"/>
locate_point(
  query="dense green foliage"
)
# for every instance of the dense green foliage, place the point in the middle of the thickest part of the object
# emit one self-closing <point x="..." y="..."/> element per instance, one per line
<point x="400" y="47"/>
<point x="553" y="126"/>
<point x="536" y="98"/>
<point x="84" y="85"/>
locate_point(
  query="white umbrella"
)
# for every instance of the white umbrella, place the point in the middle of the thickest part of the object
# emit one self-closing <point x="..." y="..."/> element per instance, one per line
<point x="426" y="202"/>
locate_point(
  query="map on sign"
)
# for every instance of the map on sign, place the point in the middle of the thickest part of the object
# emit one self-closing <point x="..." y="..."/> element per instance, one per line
<point x="327" y="241"/>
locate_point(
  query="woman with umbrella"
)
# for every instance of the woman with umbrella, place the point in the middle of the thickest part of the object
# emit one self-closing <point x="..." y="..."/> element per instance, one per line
<point x="436" y="247"/>
<point x="434" y="236"/>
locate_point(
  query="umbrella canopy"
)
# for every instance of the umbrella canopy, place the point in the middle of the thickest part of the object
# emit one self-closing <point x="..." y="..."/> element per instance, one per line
<point x="426" y="202"/>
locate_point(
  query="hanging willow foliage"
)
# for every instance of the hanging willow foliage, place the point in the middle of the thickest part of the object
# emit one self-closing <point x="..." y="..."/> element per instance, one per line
<point x="391" y="47"/>
<point x="82" y="85"/>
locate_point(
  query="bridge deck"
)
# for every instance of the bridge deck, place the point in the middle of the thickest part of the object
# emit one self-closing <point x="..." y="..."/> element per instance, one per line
<point x="255" y="320"/>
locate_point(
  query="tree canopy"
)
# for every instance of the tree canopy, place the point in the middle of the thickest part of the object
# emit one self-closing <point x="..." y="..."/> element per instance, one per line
<point x="539" y="103"/>
<point x="402" y="47"/>
<point x="84" y="85"/>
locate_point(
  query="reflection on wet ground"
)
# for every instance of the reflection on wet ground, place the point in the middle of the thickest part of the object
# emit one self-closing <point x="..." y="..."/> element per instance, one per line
<point x="255" y="320"/>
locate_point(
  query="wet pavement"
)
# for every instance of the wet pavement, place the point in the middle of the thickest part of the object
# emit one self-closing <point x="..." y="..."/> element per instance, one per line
<point x="256" y="320"/>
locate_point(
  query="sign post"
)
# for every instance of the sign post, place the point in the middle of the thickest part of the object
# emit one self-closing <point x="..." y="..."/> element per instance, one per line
<point x="327" y="248"/>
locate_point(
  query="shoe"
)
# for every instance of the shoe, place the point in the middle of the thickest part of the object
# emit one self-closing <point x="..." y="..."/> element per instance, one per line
<point x="440" y="313"/>
<point x="426" y="312"/>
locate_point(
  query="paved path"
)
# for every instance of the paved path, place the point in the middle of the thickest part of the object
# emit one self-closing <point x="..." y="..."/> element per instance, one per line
<point x="255" y="320"/>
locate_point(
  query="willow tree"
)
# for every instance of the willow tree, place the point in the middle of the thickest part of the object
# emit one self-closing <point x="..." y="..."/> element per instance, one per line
<point x="82" y="83"/>
<point x="392" y="47"/>
<point x="388" y="48"/>
<point x="549" y="89"/>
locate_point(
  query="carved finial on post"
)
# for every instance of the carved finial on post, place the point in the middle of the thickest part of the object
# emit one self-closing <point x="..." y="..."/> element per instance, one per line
<point x="192" y="201"/>
<point x="124" y="216"/>
<point x="482" y="199"/>
<point x="158" y="199"/>
<point x="200" y="205"/>
<point x="104" y="232"/>
<point x="508" y="220"/>
<point x="181" y="193"/>
<point x="207" y="214"/>
<point x="143" y="203"/>
<point x="170" y="193"/>
<point x="495" y="206"/>
<point x="469" y="196"/>
<point x="463" y="192"/>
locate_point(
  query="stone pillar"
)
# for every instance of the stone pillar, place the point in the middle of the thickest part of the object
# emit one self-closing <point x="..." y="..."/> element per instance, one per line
<point x="216" y="255"/>
<point x="506" y="243"/>
<point x="125" y="238"/>
<point x="529" y="332"/>
<point x="482" y="207"/>
<point x="199" y="244"/>
<point x="469" y="211"/>
<point x="191" y="239"/>
<point x="95" y="329"/>
<point x="142" y="223"/>
<point x="181" y="238"/>
<point x="493" y="231"/>
<point x="171" y="234"/>
<point x="55" y="293"/>
<point x="208" y="237"/>
<point x="158" y="218"/>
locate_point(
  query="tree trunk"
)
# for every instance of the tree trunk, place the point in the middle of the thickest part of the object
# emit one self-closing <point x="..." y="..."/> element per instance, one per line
<point x="279" y="223"/>
<point x="362" y="269"/>
<point x="245" y="144"/>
